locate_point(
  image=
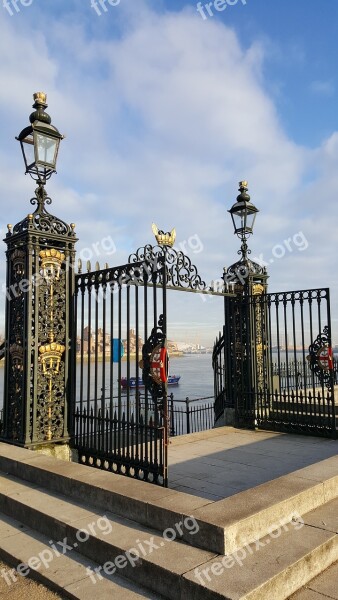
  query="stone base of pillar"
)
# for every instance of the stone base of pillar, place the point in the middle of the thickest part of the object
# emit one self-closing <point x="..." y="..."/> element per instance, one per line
<point x="227" y="418"/>
<point x="60" y="451"/>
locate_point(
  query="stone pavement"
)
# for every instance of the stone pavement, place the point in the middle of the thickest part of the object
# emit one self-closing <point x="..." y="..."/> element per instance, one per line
<point x="323" y="587"/>
<point x="219" y="463"/>
<point x="24" y="589"/>
<point x="210" y="467"/>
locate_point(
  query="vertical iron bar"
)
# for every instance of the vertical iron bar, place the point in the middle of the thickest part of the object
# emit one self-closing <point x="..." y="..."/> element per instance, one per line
<point x="127" y="451"/>
<point x="96" y="296"/>
<point x="120" y="449"/>
<point x="103" y="387"/>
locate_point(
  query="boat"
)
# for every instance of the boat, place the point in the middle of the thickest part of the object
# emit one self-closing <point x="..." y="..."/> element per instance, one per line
<point x="131" y="383"/>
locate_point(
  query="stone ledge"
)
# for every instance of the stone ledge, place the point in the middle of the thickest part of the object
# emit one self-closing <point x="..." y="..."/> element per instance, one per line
<point x="66" y="574"/>
<point x="225" y="525"/>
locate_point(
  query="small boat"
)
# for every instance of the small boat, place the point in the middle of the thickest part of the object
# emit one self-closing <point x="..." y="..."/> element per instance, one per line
<point x="172" y="380"/>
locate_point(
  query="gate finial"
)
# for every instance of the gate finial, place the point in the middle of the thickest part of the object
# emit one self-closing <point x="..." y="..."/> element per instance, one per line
<point x="164" y="239"/>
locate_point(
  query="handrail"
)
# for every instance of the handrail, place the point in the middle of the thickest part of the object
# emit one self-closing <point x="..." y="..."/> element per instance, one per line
<point x="141" y="397"/>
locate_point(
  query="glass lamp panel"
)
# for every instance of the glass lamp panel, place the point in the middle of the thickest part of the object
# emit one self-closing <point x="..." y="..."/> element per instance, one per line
<point x="240" y="218"/>
<point x="46" y="149"/>
<point x="27" y="146"/>
<point x="250" y="220"/>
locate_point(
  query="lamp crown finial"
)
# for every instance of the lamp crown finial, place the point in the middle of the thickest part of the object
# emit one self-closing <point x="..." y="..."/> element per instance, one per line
<point x="40" y="104"/>
<point x="40" y="98"/>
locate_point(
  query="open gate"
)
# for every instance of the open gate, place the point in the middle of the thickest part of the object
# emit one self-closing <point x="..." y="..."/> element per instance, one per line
<point x="278" y="366"/>
<point x="120" y="418"/>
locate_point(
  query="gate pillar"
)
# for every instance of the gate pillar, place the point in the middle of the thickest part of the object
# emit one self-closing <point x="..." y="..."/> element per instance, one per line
<point x="39" y="335"/>
<point x="246" y="324"/>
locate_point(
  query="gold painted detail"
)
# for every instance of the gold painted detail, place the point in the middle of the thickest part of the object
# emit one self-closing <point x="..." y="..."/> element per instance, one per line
<point x="51" y="262"/>
<point x="164" y="239"/>
<point x="40" y="97"/>
<point x="257" y="289"/>
<point x="51" y="353"/>
<point x="50" y="357"/>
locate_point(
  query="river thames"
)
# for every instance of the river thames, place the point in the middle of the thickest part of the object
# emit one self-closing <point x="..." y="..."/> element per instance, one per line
<point x="195" y="371"/>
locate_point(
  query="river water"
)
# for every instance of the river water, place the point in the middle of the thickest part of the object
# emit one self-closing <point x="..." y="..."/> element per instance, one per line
<point x="195" y="371"/>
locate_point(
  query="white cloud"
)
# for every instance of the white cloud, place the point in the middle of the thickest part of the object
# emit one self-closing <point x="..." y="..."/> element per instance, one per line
<point x="161" y="123"/>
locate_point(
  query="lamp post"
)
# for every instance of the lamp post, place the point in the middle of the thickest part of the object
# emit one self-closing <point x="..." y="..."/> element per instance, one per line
<point x="246" y="321"/>
<point x="244" y="274"/>
<point x="39" y="303"/>
<point x="40" y="142"/>
<point x="243" y="214"/>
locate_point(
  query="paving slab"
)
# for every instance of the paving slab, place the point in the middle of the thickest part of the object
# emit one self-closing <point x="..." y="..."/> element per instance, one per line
<point x="324" y="586"/>
<point x="324" y="517"/>
<point x="327" y="583"/>
<point x="307" y="594"/>
<point x="257" y="510"/>
<point x="224" y="461"/>
<point x="274" y="570"/>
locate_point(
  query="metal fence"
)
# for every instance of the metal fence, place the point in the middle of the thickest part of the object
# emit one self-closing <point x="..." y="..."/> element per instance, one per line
<point x="297" y="374"/>
<point x="108" y="429"/>
<point x="273" y="364"/>
<point x="190" y="416"/>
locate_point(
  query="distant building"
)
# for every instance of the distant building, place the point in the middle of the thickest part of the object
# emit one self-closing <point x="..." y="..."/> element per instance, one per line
<point x="133" y="343"/>
<point x="104" y="343"/>
<point x="90" y="339"/>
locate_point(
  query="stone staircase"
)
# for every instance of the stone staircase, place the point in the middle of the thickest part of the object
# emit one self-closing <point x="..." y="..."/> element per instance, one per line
<point x="87" y="533"/>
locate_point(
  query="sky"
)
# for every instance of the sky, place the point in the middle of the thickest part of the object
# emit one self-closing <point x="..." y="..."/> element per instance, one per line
<point x="165" y="109"/>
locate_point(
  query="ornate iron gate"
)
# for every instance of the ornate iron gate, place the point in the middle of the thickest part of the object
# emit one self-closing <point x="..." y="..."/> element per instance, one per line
<point x="120" y="424"/>
<point x="278" y="367"/>
<point x="120" y="420"/>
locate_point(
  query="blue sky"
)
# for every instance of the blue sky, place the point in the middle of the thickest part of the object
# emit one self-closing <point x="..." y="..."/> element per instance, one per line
<point x="165" y="112"/>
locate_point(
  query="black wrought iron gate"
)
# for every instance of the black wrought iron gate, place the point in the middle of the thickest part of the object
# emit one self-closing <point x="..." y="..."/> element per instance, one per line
<point x="120" y="422"/>
<point x="120" y="419"/>
<point x="278" y="365"/>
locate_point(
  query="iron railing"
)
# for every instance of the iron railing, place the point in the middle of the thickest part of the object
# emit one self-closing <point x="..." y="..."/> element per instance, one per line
<point x="190" y="416"/>
<point x="297" y="375"/>
<point x="100" y="427"/>
<point x="273" y="363"/>
<point x="312" y="413"/>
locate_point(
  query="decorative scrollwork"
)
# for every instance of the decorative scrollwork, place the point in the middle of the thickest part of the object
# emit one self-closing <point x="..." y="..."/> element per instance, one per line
<point x="157" y="338"/>
<point x="179" y="270"/>
<point x="244" y="268"/>
<point x="41" y="220"/>
<point x="320" y="358"/>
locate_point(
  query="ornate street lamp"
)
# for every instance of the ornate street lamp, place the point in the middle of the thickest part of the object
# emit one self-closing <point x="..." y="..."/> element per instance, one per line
<point x="39" y="350"/>
<point x="40" y="142"/>
<point x="243" y="214"/>
<point x="246" y="322"/>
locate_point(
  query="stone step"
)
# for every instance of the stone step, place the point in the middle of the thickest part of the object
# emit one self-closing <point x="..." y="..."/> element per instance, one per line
<point x="322" y="587"/>
<point x="273" y="567"/>
<point x="105" y="536"/>
<point x="224" y="526"/>
<point x="30" y="555"/>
